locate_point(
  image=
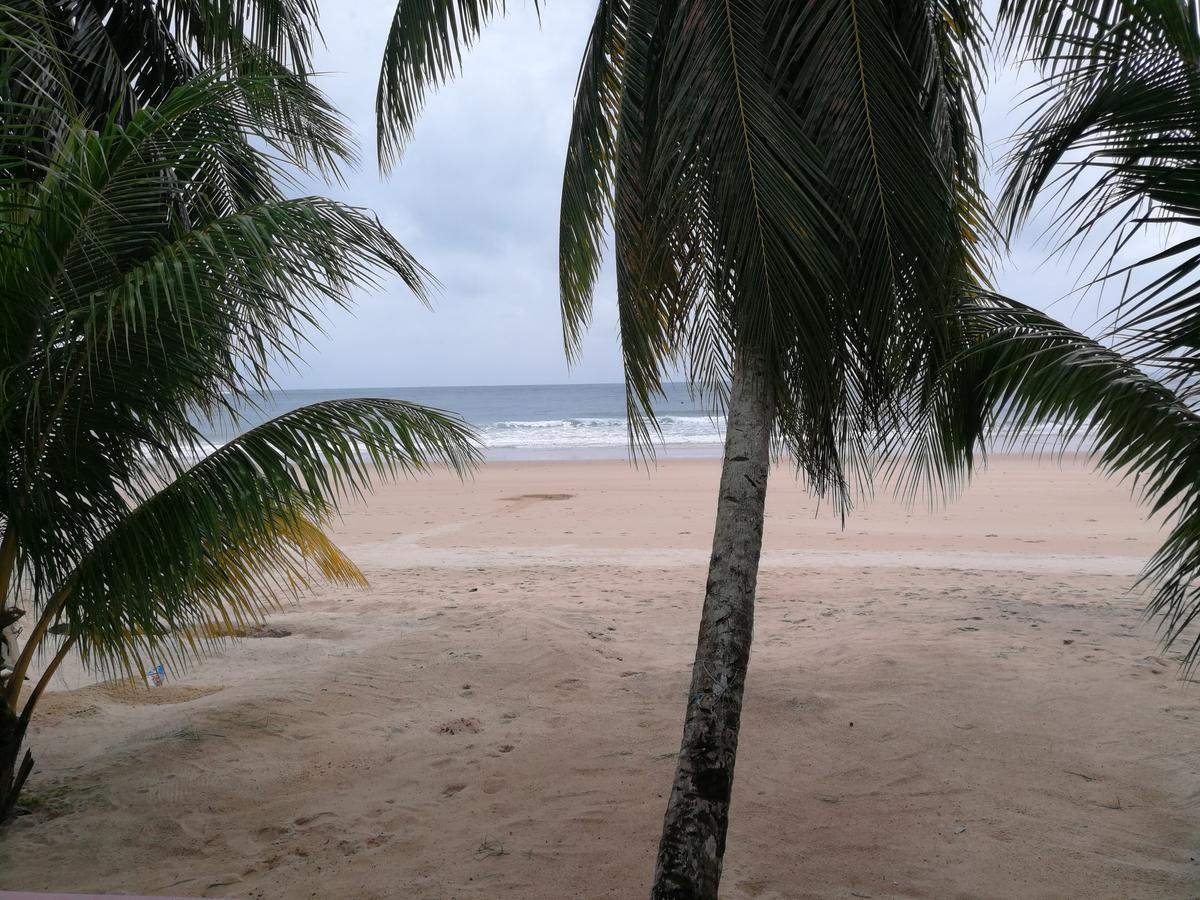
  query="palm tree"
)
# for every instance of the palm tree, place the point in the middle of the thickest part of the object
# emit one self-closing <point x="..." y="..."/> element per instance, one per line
<point x="1110" y="142"/>
<point x="153" y="271"/>
<point x="117" y="56"/>
<point x="72" y="61"/>
<point x="793" y="193"/>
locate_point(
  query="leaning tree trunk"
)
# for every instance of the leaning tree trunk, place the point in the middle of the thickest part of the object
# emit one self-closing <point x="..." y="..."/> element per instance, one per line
<point x="12" y="775"/>
<point x="693" y="839"/>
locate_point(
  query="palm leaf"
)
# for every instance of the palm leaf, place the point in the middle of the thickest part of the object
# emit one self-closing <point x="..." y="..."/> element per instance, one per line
<point x="423" y="50"/>
<point x="233" y="535"/>
<point x="1043" y="377"/>
<point x="1109" y="144"/>
<point x="589" y="170"/>
<point x="94" y="60"/>
<point x="771" y="188"/>
<point x="153" y="287"/>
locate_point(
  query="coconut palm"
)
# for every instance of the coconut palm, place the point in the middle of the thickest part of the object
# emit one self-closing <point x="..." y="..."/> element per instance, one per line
<point x="154" y="270"/>
<point x="793" y="194"/>
<point x="102" y="58"/>
<point x="67" y="62"/>
<point x="1109" y="146"/>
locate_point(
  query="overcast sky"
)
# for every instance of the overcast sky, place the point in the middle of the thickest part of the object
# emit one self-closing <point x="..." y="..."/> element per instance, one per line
<point x="475" y="198"/>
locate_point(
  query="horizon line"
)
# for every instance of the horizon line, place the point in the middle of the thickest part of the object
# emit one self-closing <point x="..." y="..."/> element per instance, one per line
<point x="423" y="387"/>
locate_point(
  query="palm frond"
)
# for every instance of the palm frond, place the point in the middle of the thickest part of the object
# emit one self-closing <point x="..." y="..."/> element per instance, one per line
<point x="1050" y="31"/>
<point x="589" y="170"/>
<point x="155" y="273"/>
<point x="87" y="61"/>
<point x="1109" y="144"/>
<point x="134" y="54"/>
<point x="237" y="533"/>
<point x="424" y="50"/>
<point x="771" y="187"/>
<point x="716" y="175"/>
<point x="1044" y="383"/>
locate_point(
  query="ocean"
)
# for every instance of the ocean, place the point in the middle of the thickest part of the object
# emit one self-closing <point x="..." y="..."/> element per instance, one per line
<point x="551" y="421"/>
<point x="579" y="421"/>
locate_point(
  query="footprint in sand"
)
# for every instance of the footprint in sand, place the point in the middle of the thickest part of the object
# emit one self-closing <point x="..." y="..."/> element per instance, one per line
<point x="451" y="789"/>
<point x="308" y="820"/>
<point x="467" y="724"/>
<point x="271" y="833"/>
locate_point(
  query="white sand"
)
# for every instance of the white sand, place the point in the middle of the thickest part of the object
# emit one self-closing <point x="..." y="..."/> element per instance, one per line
<point x="498" y="715"/>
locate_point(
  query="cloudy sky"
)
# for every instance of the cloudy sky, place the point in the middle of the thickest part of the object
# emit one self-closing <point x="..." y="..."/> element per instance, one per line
<point x="476" y="199"/>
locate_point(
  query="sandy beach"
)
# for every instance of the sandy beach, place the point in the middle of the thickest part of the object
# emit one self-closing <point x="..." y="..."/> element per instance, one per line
<point x="957" y="703"/>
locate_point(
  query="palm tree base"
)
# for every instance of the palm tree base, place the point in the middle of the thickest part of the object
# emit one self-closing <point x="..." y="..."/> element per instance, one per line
<point x="12" y="774"/>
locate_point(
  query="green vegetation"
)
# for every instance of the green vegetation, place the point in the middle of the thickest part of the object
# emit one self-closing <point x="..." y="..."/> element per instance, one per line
<point x="1110" y="143"/>
<point x="154" y="267"/>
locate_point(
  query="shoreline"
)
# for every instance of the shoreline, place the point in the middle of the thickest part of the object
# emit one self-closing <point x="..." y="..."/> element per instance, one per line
<point x="675" y="452"/>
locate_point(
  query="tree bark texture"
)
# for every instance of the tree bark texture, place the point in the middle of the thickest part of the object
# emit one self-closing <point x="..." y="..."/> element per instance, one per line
<point x="697" y="817"/>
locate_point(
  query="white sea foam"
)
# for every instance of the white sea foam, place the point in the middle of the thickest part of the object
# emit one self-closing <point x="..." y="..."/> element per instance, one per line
<point x="597" y="432"/>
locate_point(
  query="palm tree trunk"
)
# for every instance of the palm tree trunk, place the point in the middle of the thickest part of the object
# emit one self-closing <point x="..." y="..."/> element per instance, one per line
<point x="693" y="839"/>
<point x="12" y="776"/>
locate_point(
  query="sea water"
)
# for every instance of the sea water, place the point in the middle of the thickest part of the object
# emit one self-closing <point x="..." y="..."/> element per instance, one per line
<point x="565" y="421"/>
<point x="579" y="421"/>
